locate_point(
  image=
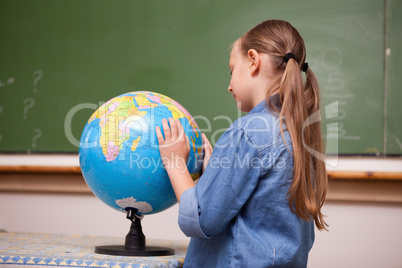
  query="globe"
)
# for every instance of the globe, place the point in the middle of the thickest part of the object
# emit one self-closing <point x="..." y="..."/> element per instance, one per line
<point x="119" y="154"/>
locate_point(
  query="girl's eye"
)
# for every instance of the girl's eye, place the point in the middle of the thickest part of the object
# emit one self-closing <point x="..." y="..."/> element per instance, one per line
<point x="231" y="72"/>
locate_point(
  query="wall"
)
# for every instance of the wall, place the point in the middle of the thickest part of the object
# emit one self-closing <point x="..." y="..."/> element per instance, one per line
<point x="362" y="234"/>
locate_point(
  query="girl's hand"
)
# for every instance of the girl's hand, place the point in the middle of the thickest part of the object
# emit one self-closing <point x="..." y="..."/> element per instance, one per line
<point x="207" y="147"/>
<point x="175" y="147"/>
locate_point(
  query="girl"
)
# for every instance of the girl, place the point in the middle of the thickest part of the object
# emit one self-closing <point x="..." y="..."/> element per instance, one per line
<point x="261" y="191"/>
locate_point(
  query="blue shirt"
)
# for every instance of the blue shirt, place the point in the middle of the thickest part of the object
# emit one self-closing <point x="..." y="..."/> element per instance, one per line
<point x="238" y="213"/>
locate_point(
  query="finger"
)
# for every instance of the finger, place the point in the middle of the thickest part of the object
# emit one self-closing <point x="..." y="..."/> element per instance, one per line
<point x="188" y="142"/>
<point x="159" y="135"/>
<point x="180" y="130"/>
<point x="173" y="128"/>
<point x="166" y="129"/>
<point x="207" y="145"/>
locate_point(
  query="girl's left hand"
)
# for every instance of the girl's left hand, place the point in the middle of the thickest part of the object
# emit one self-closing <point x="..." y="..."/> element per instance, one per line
<point x="175" y="147"/>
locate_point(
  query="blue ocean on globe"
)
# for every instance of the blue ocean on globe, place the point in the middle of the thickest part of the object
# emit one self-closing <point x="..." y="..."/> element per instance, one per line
<point x="119" y="154"/>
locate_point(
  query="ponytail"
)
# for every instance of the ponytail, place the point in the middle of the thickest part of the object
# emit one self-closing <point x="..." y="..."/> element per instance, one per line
<point x="308" y="189"/>
<point x="299" y="101"/>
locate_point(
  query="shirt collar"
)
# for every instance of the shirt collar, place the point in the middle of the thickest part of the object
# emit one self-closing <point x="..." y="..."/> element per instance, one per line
<point x="263" y="104"/>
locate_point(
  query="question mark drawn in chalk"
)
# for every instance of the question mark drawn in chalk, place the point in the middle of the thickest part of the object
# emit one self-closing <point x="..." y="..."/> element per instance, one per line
<point x="28" y="104"/>
<point x="38" y="75"/>
<point x="37" y="134"/>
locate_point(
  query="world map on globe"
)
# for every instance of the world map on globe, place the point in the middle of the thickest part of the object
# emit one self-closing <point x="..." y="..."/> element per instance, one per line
<point x="119" y="152"/>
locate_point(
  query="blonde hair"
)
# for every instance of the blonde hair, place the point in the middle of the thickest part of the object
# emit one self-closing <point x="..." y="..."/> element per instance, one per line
<point x="299" y="100"/>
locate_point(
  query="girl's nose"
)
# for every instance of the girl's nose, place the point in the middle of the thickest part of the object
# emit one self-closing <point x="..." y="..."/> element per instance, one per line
<point x="229" y="88"/>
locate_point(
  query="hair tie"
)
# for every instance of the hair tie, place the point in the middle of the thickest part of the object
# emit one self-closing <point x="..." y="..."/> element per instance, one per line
<point x="305" y="67"/>
<point x="289" y="56"/>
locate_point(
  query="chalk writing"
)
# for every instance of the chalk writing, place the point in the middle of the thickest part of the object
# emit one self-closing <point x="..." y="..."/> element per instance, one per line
<point x="38" y="75"/>
<point x="398" y="142"/>
<point x="37" y="134"/>
<point x="9" y="81"/>
<point x="331" y="60"/>
<point x="28" y="104"/>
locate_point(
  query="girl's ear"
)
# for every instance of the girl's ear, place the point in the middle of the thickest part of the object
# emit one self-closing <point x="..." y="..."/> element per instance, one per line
<point x="254" y="61"/>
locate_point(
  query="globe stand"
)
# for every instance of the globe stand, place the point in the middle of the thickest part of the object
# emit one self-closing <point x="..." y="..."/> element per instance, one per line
<point x="135" y="242"/>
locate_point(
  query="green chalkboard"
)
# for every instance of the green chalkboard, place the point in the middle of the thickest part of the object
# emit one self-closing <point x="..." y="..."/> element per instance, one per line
<point x="393" y="81"/>
<point x="61" y="59"/>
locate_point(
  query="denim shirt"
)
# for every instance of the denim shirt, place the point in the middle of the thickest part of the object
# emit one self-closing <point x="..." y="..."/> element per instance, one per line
<point x="238" y="214"/>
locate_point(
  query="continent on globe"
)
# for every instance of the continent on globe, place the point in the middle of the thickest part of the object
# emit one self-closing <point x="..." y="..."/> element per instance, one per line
<point x="119" y="154"/>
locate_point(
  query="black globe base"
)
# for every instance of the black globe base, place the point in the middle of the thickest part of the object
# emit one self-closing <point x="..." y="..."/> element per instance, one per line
<point x="135" y="242"/>
<point x="120" y="250"/>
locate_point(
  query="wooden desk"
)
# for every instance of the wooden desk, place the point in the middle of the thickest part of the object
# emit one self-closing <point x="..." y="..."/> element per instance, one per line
<point x="51" y="250"/>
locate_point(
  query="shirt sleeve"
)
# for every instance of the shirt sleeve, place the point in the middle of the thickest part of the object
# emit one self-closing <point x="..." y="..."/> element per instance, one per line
<point x="228" y="181"/>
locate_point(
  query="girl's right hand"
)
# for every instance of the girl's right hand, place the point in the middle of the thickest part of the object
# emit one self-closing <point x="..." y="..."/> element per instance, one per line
<point x="207" y="147"/>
